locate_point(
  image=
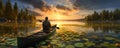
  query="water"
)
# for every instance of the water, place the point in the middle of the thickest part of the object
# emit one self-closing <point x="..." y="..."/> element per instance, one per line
<point x="71" y="34"/>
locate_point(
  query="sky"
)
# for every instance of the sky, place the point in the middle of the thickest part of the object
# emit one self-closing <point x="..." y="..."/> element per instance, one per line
<point x="66" y="9"/>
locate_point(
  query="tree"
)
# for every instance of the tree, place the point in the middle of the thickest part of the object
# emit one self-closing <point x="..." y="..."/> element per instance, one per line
<point x="111" y="16"/>
<point x="8" y="11"/>
<point x="105" y="15"/>
<point x="116" y="14"/>
<point x="95" y="16"/>
<point x="26" y="16"/>
<point x="15" y="11"/>
<point x="1" y="8"/>
<point x="21" y="16"/>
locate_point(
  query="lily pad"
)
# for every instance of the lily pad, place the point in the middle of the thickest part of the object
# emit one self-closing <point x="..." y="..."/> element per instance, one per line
<point x="9" y="43"/>
<point x="89" y="44"/>
<point x="14" y="44"/>
<point x="76" y="39"/>
<point x="85" y="39"/>
<point x="44" y="47"/>
<point x="47" y="40"/>
<point x="112" y="46"/>
<point x="79" y="44"/>
<point x="61" y="45"/>
<point x="42" y="43"/>
<point x="2" y="43"/>
<point x="109" y="38"/>
<point x="53" y="42"/>
<point x="3" y="47"/>
<point x="69" y="46"/>
<point x="105" y="44"/>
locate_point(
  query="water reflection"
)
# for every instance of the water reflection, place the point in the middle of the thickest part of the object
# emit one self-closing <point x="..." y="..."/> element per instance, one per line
<point x="86" y="35"/>
<point x="67" y="28"/>
<point x="78" y="26"/>
<point x="10" y="31"/>
<point x="105" y="27"/>
<point x="25" y="28"/>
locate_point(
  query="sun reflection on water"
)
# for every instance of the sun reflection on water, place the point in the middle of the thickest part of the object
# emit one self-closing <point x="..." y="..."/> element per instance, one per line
<point x="60" y="23"/>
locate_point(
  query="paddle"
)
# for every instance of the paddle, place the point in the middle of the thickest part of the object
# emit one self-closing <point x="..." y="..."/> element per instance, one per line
<point x="57" y="27"/>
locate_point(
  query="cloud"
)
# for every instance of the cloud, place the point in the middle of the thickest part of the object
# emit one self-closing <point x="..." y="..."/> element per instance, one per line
<point x="85" y="6"/>
<point x="96" y="4"/>
<point x="62" y="7"/>
<point x="35" y="3"/>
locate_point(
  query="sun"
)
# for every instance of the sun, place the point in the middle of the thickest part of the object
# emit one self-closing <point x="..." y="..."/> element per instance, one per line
<point x="58" y="16"/>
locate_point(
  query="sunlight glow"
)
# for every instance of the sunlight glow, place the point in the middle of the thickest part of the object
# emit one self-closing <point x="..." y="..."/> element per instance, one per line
<point x="59" y="14"/>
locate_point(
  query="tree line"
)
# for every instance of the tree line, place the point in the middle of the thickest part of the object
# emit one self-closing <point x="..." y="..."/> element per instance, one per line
<point x="12" y="13"/>
<point x="105" y="15"/>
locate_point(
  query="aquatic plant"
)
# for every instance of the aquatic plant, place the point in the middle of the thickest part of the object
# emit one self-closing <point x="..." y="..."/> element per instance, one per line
<point x="89" y="43"/>
<point x="54" y="42"/>
<point x="109" y="38"/>
<point x="79" y="44"/>
<point x="61" y="45"/>
<point x="105" y="44"/>
<point x="69" y="46"/>
<point x="42" y="43"/>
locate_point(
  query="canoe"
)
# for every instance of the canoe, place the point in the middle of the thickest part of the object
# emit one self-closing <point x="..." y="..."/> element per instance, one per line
<point x="24" y="42"/>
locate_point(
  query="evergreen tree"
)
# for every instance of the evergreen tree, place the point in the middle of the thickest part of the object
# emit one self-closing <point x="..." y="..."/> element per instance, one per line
<point x="1" y="8"/>
<point x="105" y="15"/>
<point x="8" y="11"/>
<point x="95" y="16"/>
<point x="116" y="14"/>
<point x="26" y="16"/>
<point x="15" y="11"/>
<point x="12" y="13"/>
<point x="21" y="16"/>
<point x="111" y="16"/>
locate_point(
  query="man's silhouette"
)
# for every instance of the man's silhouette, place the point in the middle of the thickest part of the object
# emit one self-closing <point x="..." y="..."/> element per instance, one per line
<point x="46" y="25"/>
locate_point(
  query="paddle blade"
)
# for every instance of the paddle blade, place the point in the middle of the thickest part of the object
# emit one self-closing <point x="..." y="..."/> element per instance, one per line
<point x="57" y="27"/>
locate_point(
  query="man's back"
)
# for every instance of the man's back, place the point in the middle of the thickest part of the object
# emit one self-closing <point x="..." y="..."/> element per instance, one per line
<point x="46" y="26"/>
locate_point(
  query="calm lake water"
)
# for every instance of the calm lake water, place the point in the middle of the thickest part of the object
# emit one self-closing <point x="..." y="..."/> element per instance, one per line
<point x="72" y="34"/>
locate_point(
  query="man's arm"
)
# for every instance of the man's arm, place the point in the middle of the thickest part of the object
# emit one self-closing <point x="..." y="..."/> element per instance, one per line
<point x="49" y="24"/>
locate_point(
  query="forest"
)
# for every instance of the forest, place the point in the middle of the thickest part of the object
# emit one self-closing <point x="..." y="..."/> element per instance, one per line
<point x="105" y="15"/>
<point x="12" y="13"/>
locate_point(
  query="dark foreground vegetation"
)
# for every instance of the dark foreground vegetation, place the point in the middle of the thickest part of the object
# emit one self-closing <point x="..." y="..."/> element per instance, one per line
<point x="105" y="15"/>
<point x="12" y="13"/>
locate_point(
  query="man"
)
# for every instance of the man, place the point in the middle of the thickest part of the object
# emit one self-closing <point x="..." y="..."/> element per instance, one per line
<point x="46" y="25"/>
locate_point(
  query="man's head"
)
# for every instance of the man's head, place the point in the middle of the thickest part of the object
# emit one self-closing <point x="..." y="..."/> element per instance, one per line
<point x="46" y="18"/>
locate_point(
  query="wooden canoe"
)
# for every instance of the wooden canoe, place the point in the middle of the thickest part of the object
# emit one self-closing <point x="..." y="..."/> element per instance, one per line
<point x="24" y="42"/>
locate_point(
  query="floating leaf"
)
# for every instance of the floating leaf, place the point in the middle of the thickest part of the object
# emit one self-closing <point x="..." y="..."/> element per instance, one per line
<point x="89" y="43"/>
<point x="42" y="43"/>
<point x="3" y="47"/>
<point x="85" y="39"/>
<point x="95" y="37"/>
<point x="105" y="44"/>
<point x="44" y="47"/>
<point x="47" y="40"/>
<point x="112" y="46"/>
<point x="61" y="45"/>
<point x="69" y="46"/>
<point x="2" y="43"/>
<point x="109" y="38"/>
<point x="53" y="42"/>
<point x="79" y="44"/>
